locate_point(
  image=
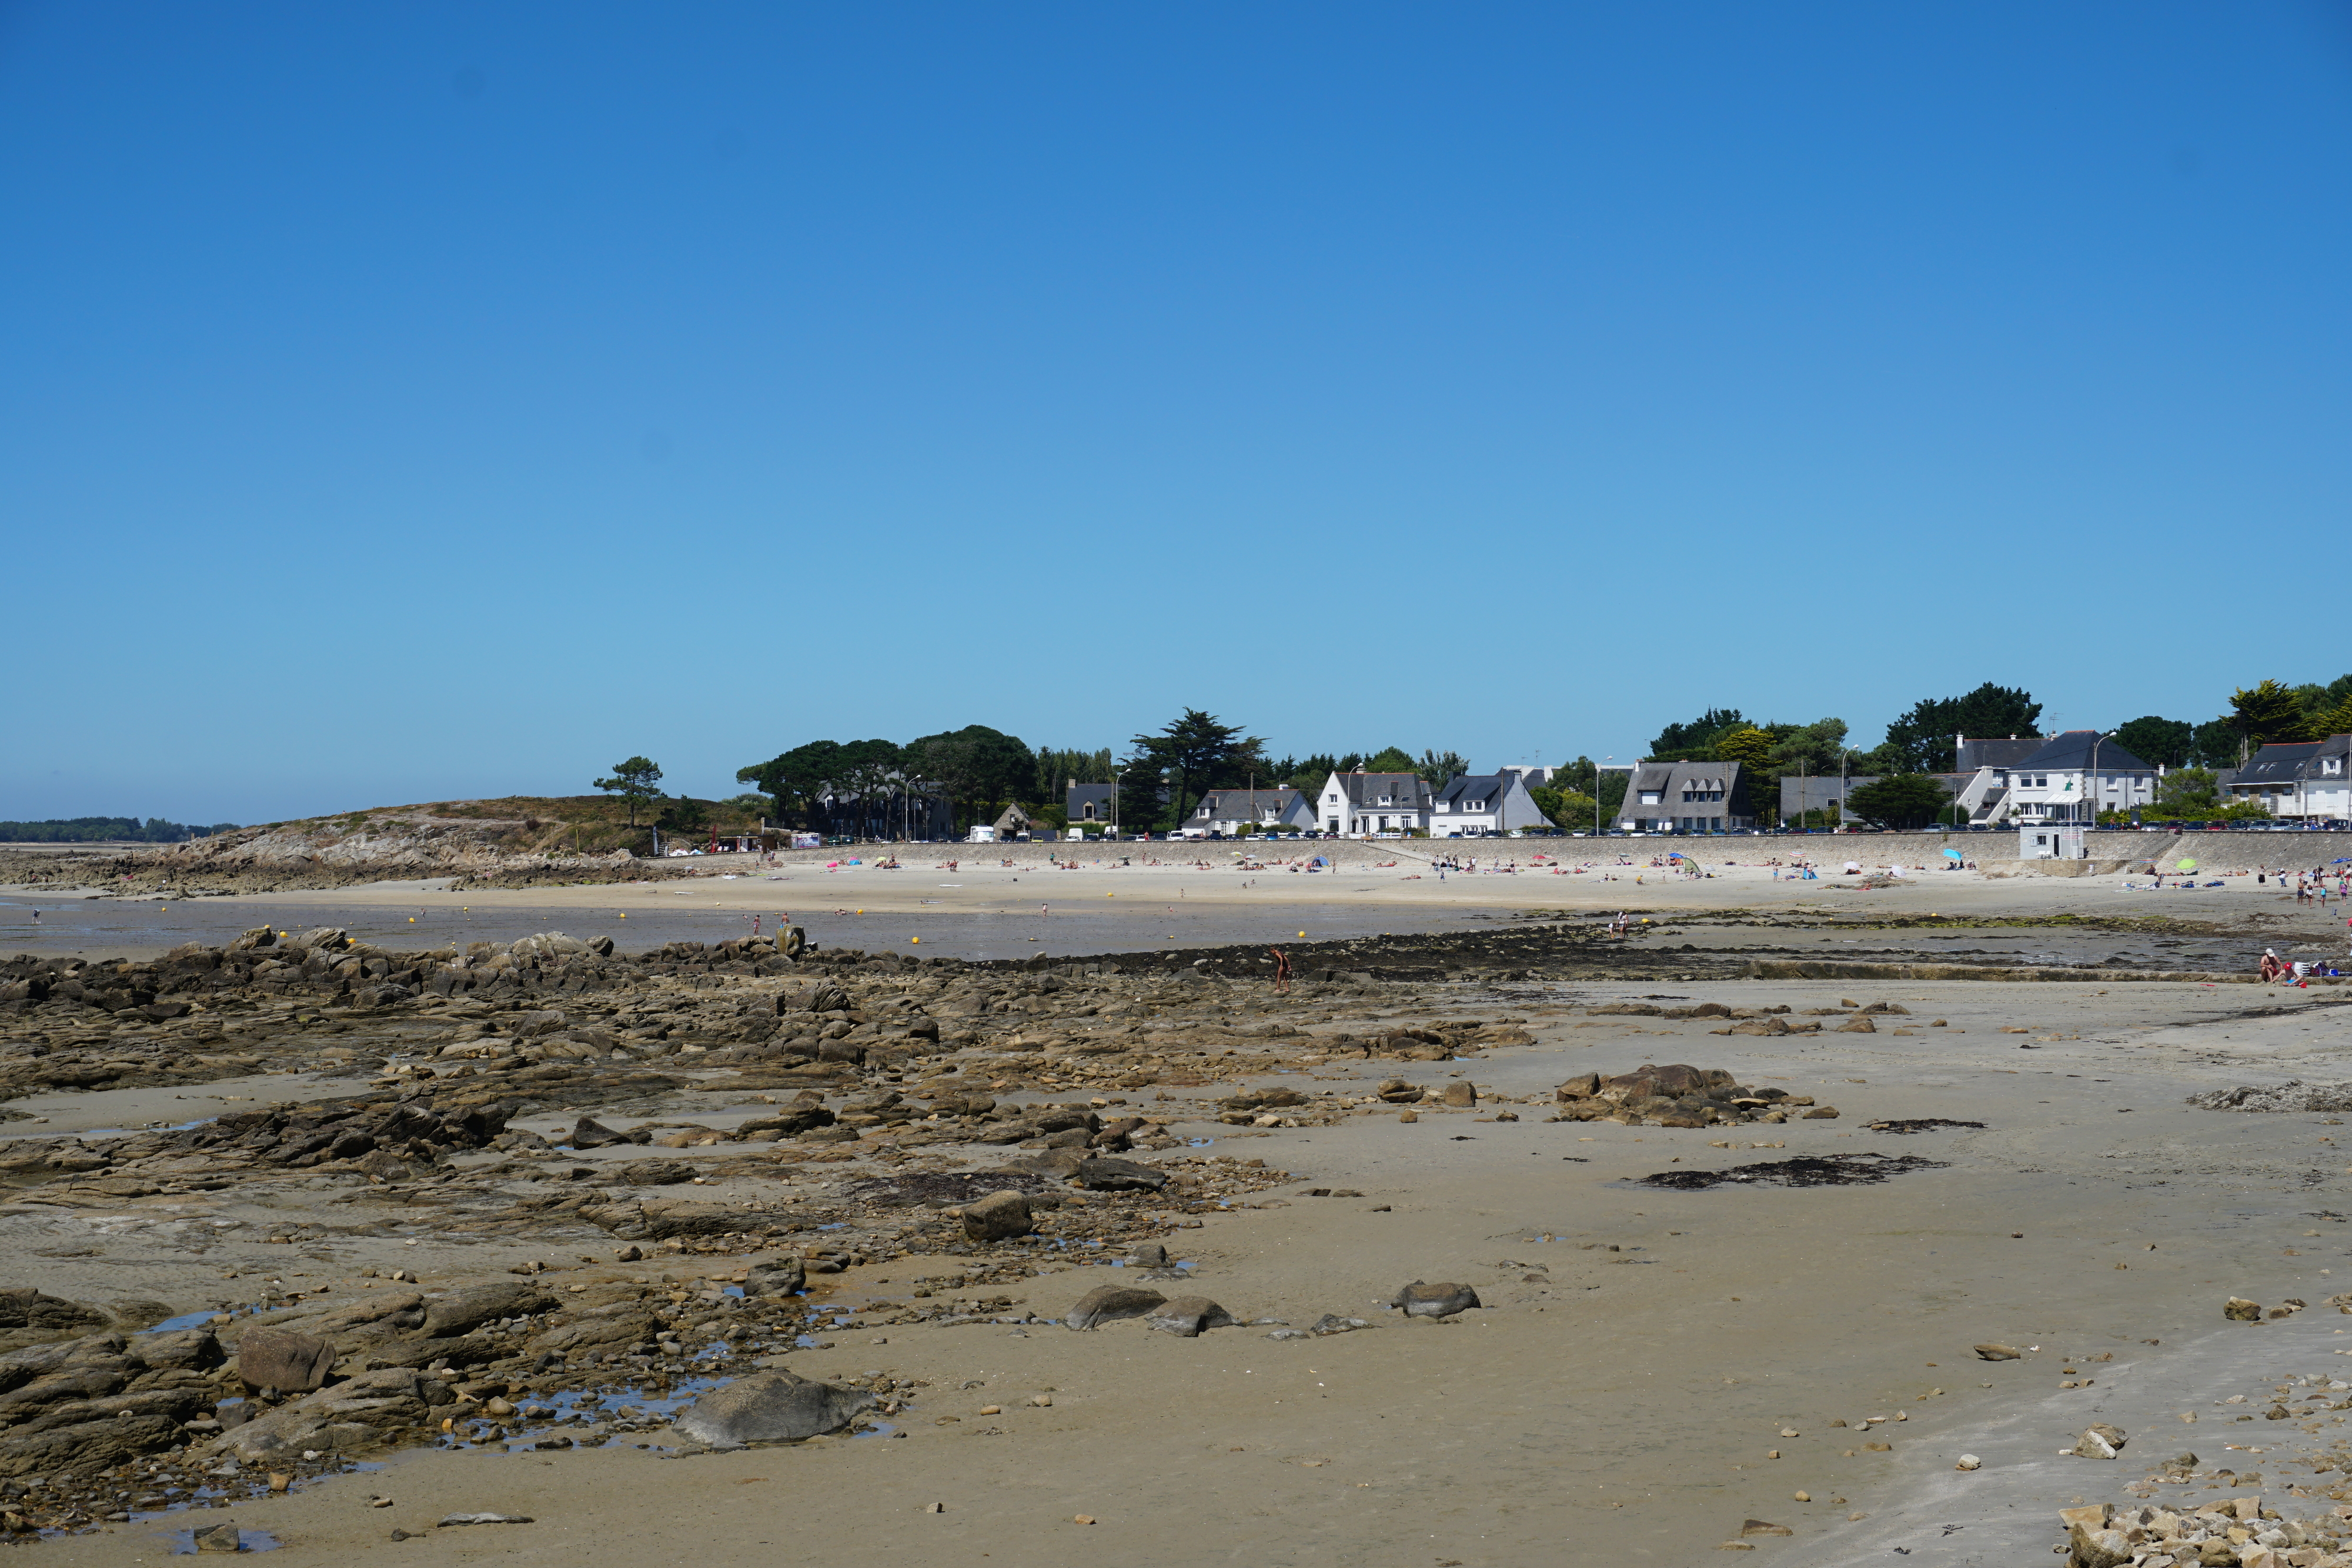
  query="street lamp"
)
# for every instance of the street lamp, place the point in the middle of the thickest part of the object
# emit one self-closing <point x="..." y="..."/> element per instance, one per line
<point x="2091" y="782"/>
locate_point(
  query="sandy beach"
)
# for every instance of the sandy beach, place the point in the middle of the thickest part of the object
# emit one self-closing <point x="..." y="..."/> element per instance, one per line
<point x="1642" y="1353"/>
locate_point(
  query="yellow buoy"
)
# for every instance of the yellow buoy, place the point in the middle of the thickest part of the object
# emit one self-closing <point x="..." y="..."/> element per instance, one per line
<point x="914" y="939"/>
<point x="861" y="912"/>
<point x="1302" y="933"/>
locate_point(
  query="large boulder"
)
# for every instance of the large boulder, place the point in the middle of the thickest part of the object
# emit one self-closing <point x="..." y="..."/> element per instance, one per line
<point x="289" y="1363"/>
<point x="590" y="1134"/>
<point x="1186" y="1316"/>
<point x="999" y="1216"/>
<point x="1442" y="1300"/>
<point x="768" y="1407"/>
<point x="785" y="1277"/>
<point x="1106" y="1303"/>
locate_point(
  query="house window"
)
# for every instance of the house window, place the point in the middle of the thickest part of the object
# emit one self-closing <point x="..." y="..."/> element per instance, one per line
<point x="1650" y="797"/>
<point x="1474" y="805"/>
<point x="1387" y="801"/>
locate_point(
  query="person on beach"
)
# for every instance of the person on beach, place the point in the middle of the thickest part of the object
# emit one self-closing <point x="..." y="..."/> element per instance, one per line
<point x="2270" y="968"/>
<point x="1281" y="971"/>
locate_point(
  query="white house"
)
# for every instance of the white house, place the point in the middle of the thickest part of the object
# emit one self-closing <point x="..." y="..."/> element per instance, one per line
<point x="2075" y="775"/>
<point x="1273" y="810"/>
<point x="1361" y="804"/>
<point x="2309" y="780"/>
<point x="1482" y="803"/>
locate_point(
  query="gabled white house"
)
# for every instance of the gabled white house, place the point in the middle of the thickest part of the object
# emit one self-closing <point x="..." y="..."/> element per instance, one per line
<point x="1360" y="804"/>
<point x="2075" y="775"/>
<point x="1482" y="803"/>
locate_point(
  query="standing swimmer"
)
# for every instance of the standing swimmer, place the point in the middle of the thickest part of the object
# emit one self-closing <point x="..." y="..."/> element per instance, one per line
<point x="1281" y="971"/>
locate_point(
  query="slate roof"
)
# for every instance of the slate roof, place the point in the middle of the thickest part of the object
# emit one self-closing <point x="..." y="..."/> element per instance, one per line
<point x="2069" y="752"/>
<point x="1486" y="788"/>
<point x="1247" y="805"/>
<point x="2000" y="752"/>
<point x="2286" y="762"/>
<point x="1405" y="792"/>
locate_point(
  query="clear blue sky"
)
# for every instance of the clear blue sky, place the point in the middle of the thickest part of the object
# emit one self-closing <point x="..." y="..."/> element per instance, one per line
<point x="401" y="401"/>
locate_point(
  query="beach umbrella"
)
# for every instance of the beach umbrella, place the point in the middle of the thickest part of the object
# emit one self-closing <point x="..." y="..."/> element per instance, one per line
<point x="1953" y="855"/>
<point x="2184" y="865"/>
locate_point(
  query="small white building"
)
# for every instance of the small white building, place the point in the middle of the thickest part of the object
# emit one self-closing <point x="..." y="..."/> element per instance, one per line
<point x="1363" y="805"/>
<point x="1482" y="803"/>
<point x="2050" y="844"/>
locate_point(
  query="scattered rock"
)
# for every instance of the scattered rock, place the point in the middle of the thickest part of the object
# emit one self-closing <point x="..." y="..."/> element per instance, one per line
<point x="2237" y="1308"/>
<point x="2099" y="1442"/>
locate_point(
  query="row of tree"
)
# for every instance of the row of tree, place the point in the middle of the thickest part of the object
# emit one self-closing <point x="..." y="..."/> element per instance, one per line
<point x="877" y="787"/>
<point x="1922" y="742"/>
<point x="107" y="831"/>
<point x="882" y="788"/>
